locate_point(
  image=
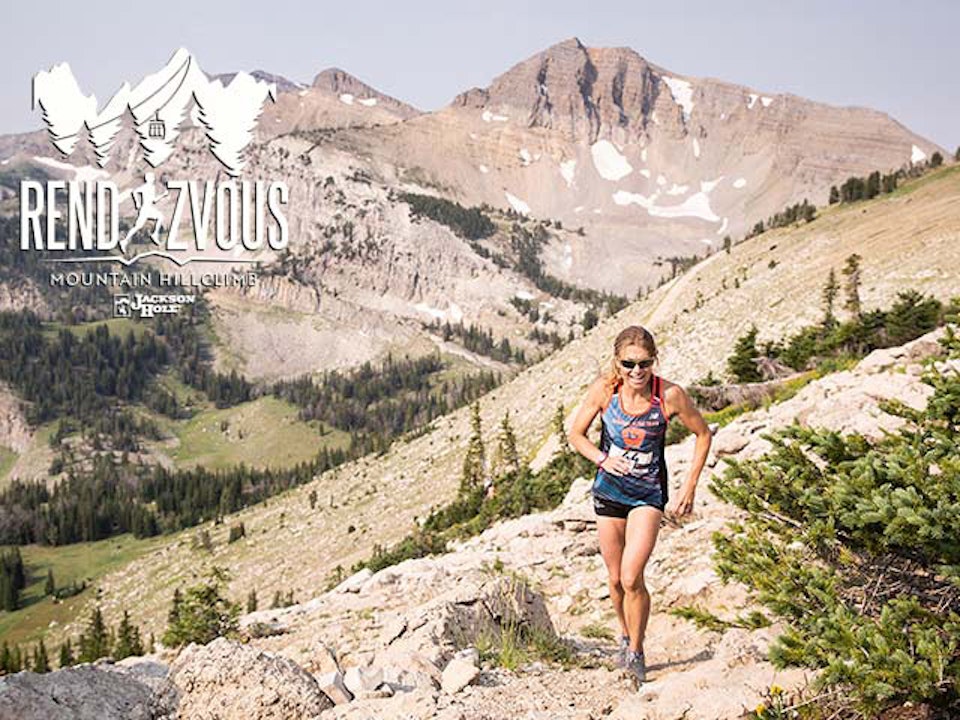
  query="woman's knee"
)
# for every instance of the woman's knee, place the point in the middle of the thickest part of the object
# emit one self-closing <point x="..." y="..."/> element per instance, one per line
<point x="633" y="581"/>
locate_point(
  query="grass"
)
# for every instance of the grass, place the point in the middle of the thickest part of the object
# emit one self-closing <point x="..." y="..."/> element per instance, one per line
<point x="597" y="631"/>
<point x="266" y="432"/>
<point x="914" y="184"/>
<point x="70" y="563"/>
<point x="7" y="460"/>
<point x="118" y="327"/>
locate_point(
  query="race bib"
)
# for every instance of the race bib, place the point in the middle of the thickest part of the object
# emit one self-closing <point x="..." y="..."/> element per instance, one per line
<point x="639" y="461"/>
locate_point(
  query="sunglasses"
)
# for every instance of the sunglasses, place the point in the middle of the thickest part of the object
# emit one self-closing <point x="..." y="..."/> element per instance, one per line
<point x="631" y="364"/>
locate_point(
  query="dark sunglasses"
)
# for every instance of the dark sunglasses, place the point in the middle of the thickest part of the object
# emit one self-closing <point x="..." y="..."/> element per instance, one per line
<point x="631" y="364"/>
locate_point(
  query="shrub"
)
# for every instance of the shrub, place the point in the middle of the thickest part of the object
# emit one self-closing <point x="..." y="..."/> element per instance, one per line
<point x="202" y="613"/>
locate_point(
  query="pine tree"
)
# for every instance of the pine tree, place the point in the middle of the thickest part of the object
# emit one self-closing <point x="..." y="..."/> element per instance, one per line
<point x="506" y="459"/>
<point x="50" y="587"/>
<point x="936" y="160"/>
<point x="95" y="640"/>
<point x="66" y="654"/>
<point x="128" y="639"/>
<point x="252" y="601"/>
<point x="829" y="296"/>
<point x="563" y="445"/>
<point x="41" y="662"/>
<point x="727" y="244"/>
<point x="742" y="364"/>
<point x="851" y="286"/>
<point x="203" y="613"/>
<point x="834" y="195"/>
<point x="173" y="617"/>
<point x="6" y="659"/>
<point x="474" y="471"/>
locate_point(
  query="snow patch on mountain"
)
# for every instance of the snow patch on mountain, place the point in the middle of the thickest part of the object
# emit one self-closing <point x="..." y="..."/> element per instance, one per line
<point x="568" y="171"/>
<point x="682" y="92"/>
<point x="917" y="155"/>
<point x="517" y="204"/>
<point x="740" y="183"/>
<point x="491" y="117"/>
<point x="609" y="162"/>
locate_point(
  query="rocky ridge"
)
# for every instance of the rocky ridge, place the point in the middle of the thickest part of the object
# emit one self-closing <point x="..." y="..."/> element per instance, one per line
<point x="404" y="642"/>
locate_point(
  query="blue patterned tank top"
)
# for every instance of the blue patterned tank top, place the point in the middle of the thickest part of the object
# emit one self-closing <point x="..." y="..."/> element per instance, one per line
<point x="639" y="439"/>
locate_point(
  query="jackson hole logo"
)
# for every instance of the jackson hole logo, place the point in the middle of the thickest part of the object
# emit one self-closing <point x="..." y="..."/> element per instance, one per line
<point x="234" y="215"/>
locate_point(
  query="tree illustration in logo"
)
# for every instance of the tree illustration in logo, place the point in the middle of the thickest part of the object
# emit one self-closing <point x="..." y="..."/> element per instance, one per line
<point x="158" y="104"/>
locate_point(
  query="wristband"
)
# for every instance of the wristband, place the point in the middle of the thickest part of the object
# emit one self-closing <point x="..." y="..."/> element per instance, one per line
<point x="602" y="458"/>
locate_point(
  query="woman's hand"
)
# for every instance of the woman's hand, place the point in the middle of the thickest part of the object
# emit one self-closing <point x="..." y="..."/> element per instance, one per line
<point x="617" y="465"/>
<point x="682" y="502"/>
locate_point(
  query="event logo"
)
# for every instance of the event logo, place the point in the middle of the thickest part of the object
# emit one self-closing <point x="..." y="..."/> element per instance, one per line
<point x="233" y="215"/>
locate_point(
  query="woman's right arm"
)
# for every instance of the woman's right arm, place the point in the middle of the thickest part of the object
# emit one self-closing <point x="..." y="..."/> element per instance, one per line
<point x="593" y="404"/>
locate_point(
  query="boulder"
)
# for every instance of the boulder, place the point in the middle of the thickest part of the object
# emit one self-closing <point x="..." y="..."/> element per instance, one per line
<point x="230" y="681"/>
<point x="85" y="692"/>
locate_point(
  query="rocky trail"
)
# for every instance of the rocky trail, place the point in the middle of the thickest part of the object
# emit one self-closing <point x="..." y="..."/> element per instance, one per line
<point x="443" y="636"/>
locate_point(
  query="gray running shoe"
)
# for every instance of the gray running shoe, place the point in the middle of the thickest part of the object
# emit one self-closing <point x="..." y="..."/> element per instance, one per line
<point x="623" y="651"/>
<point x="636" y="668"/>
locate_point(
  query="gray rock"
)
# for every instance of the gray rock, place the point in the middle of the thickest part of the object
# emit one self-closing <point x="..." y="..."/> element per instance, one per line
<point x="458" y="673"/>
<point x="360" y="680"/>
<point x="239" y="682"/>
<point x="331" y="684"/>
<point x="85" y="693"/>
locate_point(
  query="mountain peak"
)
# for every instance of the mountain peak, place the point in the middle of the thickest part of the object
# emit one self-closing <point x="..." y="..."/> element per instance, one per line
<point x="339" y="82"/>
<point x="568" y="86"/>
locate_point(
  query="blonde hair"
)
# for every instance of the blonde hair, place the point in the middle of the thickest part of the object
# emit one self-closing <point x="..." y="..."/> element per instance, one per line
<point x="631" y="335"/>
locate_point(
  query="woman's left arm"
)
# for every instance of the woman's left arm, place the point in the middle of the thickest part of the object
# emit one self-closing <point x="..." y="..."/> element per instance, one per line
<point x="680" y="404"/>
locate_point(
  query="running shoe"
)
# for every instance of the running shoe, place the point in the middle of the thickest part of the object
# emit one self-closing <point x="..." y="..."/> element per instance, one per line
<point x="636" y="668"/>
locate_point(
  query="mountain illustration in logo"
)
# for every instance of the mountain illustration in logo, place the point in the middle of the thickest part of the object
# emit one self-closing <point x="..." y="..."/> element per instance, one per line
<point x="158" y="105"/>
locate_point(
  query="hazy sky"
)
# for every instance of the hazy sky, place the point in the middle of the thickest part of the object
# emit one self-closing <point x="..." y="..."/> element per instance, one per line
<point x="899" y="57"/>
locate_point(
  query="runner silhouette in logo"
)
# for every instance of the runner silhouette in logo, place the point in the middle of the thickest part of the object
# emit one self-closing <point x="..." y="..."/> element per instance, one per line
<point x="144" y="199"/>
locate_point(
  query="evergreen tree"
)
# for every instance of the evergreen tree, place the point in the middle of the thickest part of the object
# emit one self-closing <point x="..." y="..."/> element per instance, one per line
<point x="6" y="659"/>
<point x="95" y="640"/>
<point x="742" y="364"/>
<point x="128" y="639"/>
<point x="851" y="286"/>
<point x="50" y="587"/>
<point x="66" y="654"/>
<point x="473" y="478"/>
<point x="41" y="662"/>
<point x="563" y="445"/>
<point x="829" y="296"/>
<point x="956" y="155"/>
<point x="834" y="195"/>
<point x="252" y="601"/>
<point x="727" y="244"/>
<point x="936" y="160"/>
<point x="506" y="459"/>
<point x="173" y="617"/>
<point x="203" y="613"/>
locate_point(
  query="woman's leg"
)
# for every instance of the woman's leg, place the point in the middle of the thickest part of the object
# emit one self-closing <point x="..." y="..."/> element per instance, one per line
<point x="642" y="526"/>
<point x="612" y="532"/>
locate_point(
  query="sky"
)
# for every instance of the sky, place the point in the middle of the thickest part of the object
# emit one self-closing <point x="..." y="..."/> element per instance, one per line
<point x="898" y="57"/>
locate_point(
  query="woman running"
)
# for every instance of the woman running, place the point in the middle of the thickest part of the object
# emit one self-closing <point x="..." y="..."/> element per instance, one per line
<point x="630" y="490"/>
